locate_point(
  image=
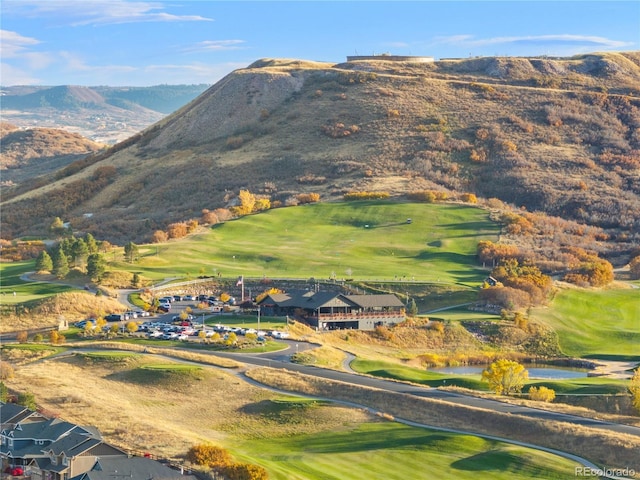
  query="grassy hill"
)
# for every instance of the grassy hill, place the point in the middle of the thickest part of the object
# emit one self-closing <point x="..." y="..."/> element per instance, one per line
<point x="359" y="240"/>
<point x="31" y="153"/>
<point x="555" y="135"/>
<point x="595" y="323"/>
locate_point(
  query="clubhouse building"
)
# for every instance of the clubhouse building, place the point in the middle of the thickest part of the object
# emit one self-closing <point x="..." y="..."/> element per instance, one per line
<point x="335" y="311"/>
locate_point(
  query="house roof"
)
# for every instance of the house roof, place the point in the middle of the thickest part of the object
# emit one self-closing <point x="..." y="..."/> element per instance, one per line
<point x="312" y="300"/>
<point x="72" y="444"/>
<point x="51" y="430"/>
<point x="370" y="301"/>
<point x="12" y="412"/>
<point x="131" y="468"/>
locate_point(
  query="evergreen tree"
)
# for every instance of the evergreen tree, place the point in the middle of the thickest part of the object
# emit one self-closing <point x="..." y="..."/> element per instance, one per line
<point x="131" y="252"/>
<point x="412" y="308"/>
<point x="60" y="264"/>
<point x="67" y="247"/>
<point x="27" y="399"/>
<point x="92" y="245"/>
<point x="44" y="262"/>
<point x="79" y="252"/>
<point x="96" y="266"/>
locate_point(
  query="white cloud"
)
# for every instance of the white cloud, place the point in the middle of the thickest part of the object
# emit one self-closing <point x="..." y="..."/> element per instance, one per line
<point x="12" y="75"/>
<point x="13" y="44"/>
<point x="215" y="46"/>
<point x="97" y="12"/>
<point x="562" y="40"/>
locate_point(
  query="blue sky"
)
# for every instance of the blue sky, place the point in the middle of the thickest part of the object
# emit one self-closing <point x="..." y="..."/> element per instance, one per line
<point x="138" y="43"/>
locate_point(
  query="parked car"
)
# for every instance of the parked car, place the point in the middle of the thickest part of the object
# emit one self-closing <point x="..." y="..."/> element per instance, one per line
<point x="188" y="298"/>
<point x="131" y="314"/>
<point x="83" y="323"/>
<point x="165" y="307"/>
<point x="166" y="300"/>
<point x="177" y="298"/>
<point x="116" y="317"/>
<point x="279" y="334"/>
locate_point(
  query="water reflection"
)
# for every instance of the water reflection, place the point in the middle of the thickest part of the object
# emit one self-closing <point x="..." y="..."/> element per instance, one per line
<point x="537" y="372"/>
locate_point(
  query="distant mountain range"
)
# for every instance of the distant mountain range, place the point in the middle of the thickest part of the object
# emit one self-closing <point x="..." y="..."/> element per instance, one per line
<point x="103" y="114"/>
<point x="556" y="135"/>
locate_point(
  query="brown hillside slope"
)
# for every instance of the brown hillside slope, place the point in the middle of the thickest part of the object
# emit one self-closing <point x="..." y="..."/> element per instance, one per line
<point x="38" y="151"/>
<point x="556" y="135"/>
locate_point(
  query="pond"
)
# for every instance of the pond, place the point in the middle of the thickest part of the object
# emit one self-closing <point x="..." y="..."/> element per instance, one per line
<point x="535" y="372"/>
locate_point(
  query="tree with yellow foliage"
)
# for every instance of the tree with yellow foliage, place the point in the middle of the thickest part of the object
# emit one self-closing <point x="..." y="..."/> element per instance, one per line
<point x="505" y="377"/>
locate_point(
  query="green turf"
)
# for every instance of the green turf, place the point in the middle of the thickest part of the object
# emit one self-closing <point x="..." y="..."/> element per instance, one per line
<point x="359" y="240"/>
<point x="25" y="291"/>
<point x="111" y="356"/>
<point x="395" y="451"/>
<point x="415" y="375"/>
<point x="595" y="323"/>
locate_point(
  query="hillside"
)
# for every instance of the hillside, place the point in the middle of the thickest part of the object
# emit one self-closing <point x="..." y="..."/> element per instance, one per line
<point x="26" y="154"/>
<point x="557" y="135"/>
<point x="104" y="114"/>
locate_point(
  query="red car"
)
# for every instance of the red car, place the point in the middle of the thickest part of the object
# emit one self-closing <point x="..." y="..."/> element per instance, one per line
<point x="17" y="471"/>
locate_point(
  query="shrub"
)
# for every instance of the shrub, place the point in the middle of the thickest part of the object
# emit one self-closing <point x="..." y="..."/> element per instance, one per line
<point x="469" y="198"/>
<point x="177" y="230"/>
<point x="21" y="337"/>
<point x="210" y="456"/>
<point x="366" y="195"/>
<point x="209" y="217"/>
<point x="244" y="471"/>
<point x="542" y="394"/>
<point x="307" y="198"/>
<point x="6" y="371"/>
<point x="339" y="130"/>
<point x="56" y="337"/>
<point x="427" y="196"/>
<point x="234" y="142"/>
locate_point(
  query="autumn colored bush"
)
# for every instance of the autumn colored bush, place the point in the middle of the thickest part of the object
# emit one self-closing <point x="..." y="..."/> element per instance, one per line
<point x="366" y="195"/>
<point x="339" y="130"/>
<point x="308" y="198"/>
<point x="159" y="236"/>
<point x="542" y="394"/>
<point x="210" y="456"/>
<point x="177" y="230"/>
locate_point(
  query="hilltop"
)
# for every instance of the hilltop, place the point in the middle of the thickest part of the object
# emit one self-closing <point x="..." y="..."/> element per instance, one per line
<point x="557" y="135"/>
<point x="33" y="152"/>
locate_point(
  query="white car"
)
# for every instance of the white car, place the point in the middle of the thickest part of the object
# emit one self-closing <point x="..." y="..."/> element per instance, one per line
<point x="183" y="337"/>
<point x="278" y="334"/>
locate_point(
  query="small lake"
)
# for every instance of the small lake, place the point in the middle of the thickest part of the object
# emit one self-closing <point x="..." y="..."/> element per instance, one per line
<point x="537" y="372"/>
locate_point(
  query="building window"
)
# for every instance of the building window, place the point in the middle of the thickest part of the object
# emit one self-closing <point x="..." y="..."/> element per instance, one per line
<point x="65" y="461"/>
